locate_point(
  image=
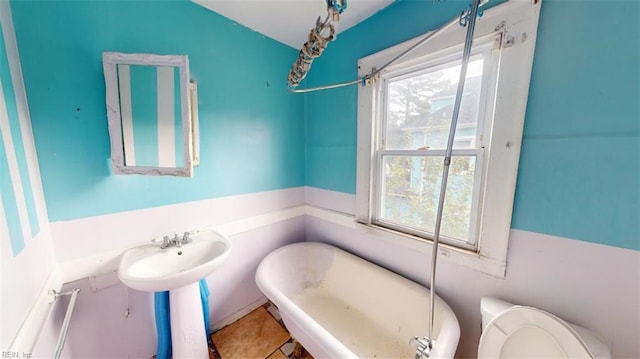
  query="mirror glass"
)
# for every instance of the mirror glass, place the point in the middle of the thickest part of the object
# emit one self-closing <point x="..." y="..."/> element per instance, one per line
<point x="149" y="107"/>
<point x="151" y="95"/>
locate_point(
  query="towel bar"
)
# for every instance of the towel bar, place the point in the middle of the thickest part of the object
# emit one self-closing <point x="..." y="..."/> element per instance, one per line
<point x="67" y="319"/>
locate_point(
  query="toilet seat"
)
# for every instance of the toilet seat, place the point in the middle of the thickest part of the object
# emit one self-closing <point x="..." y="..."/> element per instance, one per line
<point x="526" y="332"/>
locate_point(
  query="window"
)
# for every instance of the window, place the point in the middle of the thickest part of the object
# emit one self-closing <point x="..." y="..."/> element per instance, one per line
<point x="415" y="114"/>
<point x="403" y="124"/>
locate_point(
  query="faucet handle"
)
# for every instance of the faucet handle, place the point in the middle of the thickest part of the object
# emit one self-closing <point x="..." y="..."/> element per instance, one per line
<point x="186" y="237"/>
<point x="166" y="242"/>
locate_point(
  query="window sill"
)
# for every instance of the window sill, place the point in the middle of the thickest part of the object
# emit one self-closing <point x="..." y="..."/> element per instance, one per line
<point x="463" y="257"/>
<point x="513" y="20"/>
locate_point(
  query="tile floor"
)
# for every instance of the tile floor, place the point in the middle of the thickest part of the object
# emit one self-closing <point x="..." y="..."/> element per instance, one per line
<point x="258" y="335"/>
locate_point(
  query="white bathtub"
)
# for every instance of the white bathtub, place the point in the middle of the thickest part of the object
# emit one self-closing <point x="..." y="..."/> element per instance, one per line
<point x="338" y="305"/>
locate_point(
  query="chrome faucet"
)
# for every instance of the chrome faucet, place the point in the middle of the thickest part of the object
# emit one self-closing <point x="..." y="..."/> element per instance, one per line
<point x="175" y="241"/>
<point x="185" y="238"/>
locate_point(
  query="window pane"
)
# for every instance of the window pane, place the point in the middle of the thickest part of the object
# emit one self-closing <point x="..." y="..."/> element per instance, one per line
<point x="419" y="107"/>
<point x="411" y="185"/>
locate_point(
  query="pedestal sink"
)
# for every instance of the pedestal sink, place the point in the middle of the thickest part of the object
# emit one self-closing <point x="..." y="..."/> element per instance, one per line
<point x="178" y="270"/>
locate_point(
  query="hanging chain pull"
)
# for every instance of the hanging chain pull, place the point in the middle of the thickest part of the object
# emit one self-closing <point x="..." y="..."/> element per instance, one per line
<point x="317" y="42"/>
<point x="302" y="65"/>
<point x="312" y="49"/>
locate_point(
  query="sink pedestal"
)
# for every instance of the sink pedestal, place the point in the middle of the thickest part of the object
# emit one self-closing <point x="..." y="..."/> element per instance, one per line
<point x="188" y="337"/>
<point x="178" y="269"/>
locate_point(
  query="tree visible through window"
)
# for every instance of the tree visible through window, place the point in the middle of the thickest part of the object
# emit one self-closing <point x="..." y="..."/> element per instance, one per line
<point x="417" y="110"/>
<point x="403" y="127"/>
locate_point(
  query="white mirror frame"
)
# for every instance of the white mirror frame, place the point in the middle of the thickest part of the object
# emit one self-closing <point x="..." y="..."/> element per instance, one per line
<point x="110" y="62"/>
<point x="195" y="127"/>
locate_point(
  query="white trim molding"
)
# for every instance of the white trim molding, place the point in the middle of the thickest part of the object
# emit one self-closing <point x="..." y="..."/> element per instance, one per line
<point x="113" y="233"/>
<point x="332" y="200"/>
<point x="28" y="333"/>
<point x="28" y="275"/>
<point x="111" y="61"/>
<point x="14" y="171"/>
<point x="83" y="267"/>
<point x="513" y="27"/>
<point x="446" y="252"/>
<point x="15" y="68"/>
<point x="556" y="274"/>
<point x="279" y="207"/>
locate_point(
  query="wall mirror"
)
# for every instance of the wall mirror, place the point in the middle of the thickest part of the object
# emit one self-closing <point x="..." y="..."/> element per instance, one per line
<point x="152" y="114"/>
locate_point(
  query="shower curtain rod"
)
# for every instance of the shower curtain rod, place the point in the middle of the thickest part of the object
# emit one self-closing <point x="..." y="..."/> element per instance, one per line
<point x="375" y="72"/>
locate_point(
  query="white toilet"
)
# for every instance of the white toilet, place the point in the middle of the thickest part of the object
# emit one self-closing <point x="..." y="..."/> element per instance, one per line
<point x="513" y="331"/>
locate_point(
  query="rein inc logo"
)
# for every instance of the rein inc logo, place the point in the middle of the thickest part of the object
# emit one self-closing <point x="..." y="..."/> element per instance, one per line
<point x="16" y="355"/>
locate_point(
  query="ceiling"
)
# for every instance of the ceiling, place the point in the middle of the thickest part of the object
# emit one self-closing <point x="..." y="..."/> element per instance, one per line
<point x="289" y="21"/>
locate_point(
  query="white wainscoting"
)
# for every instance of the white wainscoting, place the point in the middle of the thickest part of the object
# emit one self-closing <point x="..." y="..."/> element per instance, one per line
<point x="592" y="285"/>
<point x="26" y="279"/>
<point x="331" y="200"/>
<point x="93" y="246"/>
<point x="95" y="236"/>
<point x="118" y="322"/>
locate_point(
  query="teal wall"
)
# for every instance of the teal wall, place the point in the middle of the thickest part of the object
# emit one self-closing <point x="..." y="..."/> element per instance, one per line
<point x="10" y="197"/>
<point x="252" y="129"/>
<point x="331" y="159"/>
<point x="7" y="188"/>
<point x="579" y="174"/>
<point x="579" y="167"/>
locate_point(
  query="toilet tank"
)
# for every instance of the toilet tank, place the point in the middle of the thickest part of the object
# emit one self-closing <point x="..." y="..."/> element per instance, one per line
<point x="490" y="308"/>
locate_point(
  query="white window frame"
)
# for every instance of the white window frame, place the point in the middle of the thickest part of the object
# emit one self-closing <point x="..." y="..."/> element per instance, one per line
<point x="512" y="27"/>
<point x="429" y="63"/>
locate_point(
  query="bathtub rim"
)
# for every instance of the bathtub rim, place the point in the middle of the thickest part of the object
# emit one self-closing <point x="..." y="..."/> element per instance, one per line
<point x="450" y="324"/>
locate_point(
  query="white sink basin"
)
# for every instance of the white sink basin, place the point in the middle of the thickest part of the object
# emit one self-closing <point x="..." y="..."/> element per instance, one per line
<point x="149" y="268"/>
